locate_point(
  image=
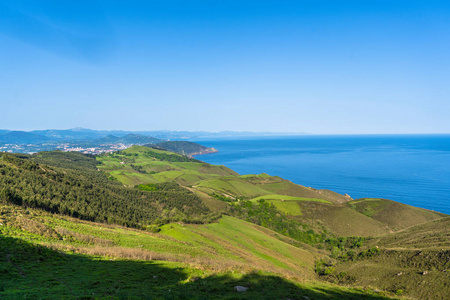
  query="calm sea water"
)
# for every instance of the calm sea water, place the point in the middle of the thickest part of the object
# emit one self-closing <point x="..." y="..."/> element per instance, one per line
<point x="412" y="169"/>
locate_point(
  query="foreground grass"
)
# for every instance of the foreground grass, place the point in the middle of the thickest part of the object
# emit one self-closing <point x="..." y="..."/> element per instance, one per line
<point x="32" y="271"/>
<point x="44" y="256"/>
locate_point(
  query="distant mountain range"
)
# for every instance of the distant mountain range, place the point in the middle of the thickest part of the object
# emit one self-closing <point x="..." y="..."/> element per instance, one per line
<point x="22" y="137"/>
<point x="115" y="136"/>
<point x="130" y="138"/>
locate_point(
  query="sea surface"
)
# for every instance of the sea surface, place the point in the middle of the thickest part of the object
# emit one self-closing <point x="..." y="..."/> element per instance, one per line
<point x="412" y="169"/>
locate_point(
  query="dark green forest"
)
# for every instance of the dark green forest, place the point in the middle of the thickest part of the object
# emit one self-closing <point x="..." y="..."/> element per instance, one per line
<point x="181" y="147"/>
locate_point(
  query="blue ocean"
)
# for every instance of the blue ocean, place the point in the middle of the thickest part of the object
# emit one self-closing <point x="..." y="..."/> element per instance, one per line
<point x="412" y="169"/>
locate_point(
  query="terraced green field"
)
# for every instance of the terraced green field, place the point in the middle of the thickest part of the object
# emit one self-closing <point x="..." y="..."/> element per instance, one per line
<point x="287" y="204"/>
<point x="136" y="166"/>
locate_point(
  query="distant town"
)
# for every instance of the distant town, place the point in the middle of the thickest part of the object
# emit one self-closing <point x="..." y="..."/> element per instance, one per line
<point x="90" y="141"/>
<point x="33" y="148"/>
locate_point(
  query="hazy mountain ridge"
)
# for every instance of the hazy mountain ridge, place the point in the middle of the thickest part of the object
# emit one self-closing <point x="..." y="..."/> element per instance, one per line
<point x="79" y="134"/>
<point x="22" y="137"/>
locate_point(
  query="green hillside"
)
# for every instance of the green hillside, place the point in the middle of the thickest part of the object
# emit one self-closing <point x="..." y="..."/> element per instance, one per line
<point x="394" y="214"/>
<point x="74" y="225"/>
<point x="413" y="262"/>
<point x="317" y="209"/>
<point x="183" y="147"/>
<point x="141" y="165"/>
<point x="70" y="184"/>
<point x="52" y="257"/>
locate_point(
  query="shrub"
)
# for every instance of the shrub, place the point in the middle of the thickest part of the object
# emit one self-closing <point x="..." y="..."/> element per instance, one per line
<point x="369" y="252"/>
<point x="323" y="267"/>
<point x="328" y="270"/>
<point x="153" y="228"/>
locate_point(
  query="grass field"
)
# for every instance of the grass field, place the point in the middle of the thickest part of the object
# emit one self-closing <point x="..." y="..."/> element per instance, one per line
<point x="393" y="214"/>
<point x="45" y="256"/>
<point x="287" y="204"/>
<point x="288" y="198"/>
<point x="229" y="243"/>
<point x="231" y="186"/>
<point x="288" y="207"/>
<point x="124" y="168"/>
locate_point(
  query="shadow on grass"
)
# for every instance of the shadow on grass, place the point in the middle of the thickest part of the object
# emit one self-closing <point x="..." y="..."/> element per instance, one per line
<point x="36" y="272"/>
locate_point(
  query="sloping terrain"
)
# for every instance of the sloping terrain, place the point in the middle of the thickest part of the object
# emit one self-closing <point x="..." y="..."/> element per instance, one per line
<point x="70" y="184"/>
<point x="430" y="235"/>
<point x="206" y="226"/>
<point x="394" y="214"/>
<point x="278" y="185"/>
<point x="141" y="165"/>
<point x="138" y="139"/>
<point x="414" y="262"/>
<point x="339" y="214"/>
<point x="53" y="257"/>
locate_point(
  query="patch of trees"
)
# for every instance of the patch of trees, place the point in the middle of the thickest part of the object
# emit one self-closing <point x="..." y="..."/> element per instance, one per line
<point x="67" y="160"/>
<point x="222" y="197"/>
<point x="70" y="184"/>
<point x="138" y="169"/>
<point x="266" y="214"/>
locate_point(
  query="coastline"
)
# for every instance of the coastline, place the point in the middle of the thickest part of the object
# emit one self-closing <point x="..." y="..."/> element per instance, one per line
<point x="413" y="169"/>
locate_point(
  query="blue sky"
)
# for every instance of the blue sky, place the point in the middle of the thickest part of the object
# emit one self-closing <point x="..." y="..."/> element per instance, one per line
<point x="324" y="67"/>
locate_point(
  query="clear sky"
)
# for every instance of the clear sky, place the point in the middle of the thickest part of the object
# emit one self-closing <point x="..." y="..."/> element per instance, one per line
<point x="364" y="66"/>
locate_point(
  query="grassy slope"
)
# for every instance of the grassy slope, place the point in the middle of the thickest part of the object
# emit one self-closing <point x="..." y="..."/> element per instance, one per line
<point x="231" y="186"/>
<point x="278" y="185"/>
<point x="341" y="220"/>
<point x="288" y="198"/>
<point x="404" y="257"/>
<point x="155" y="170"/>
<point x="82" y="259"/>
<point x="338" y="213"/>
<point x="394" y="214"/>
<point x="210" y="202"/>
<point x="352" y="218"/>
<point x="229" y="243"/>
<point x="430" y="235"/>
<point x="287" y="204"/>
